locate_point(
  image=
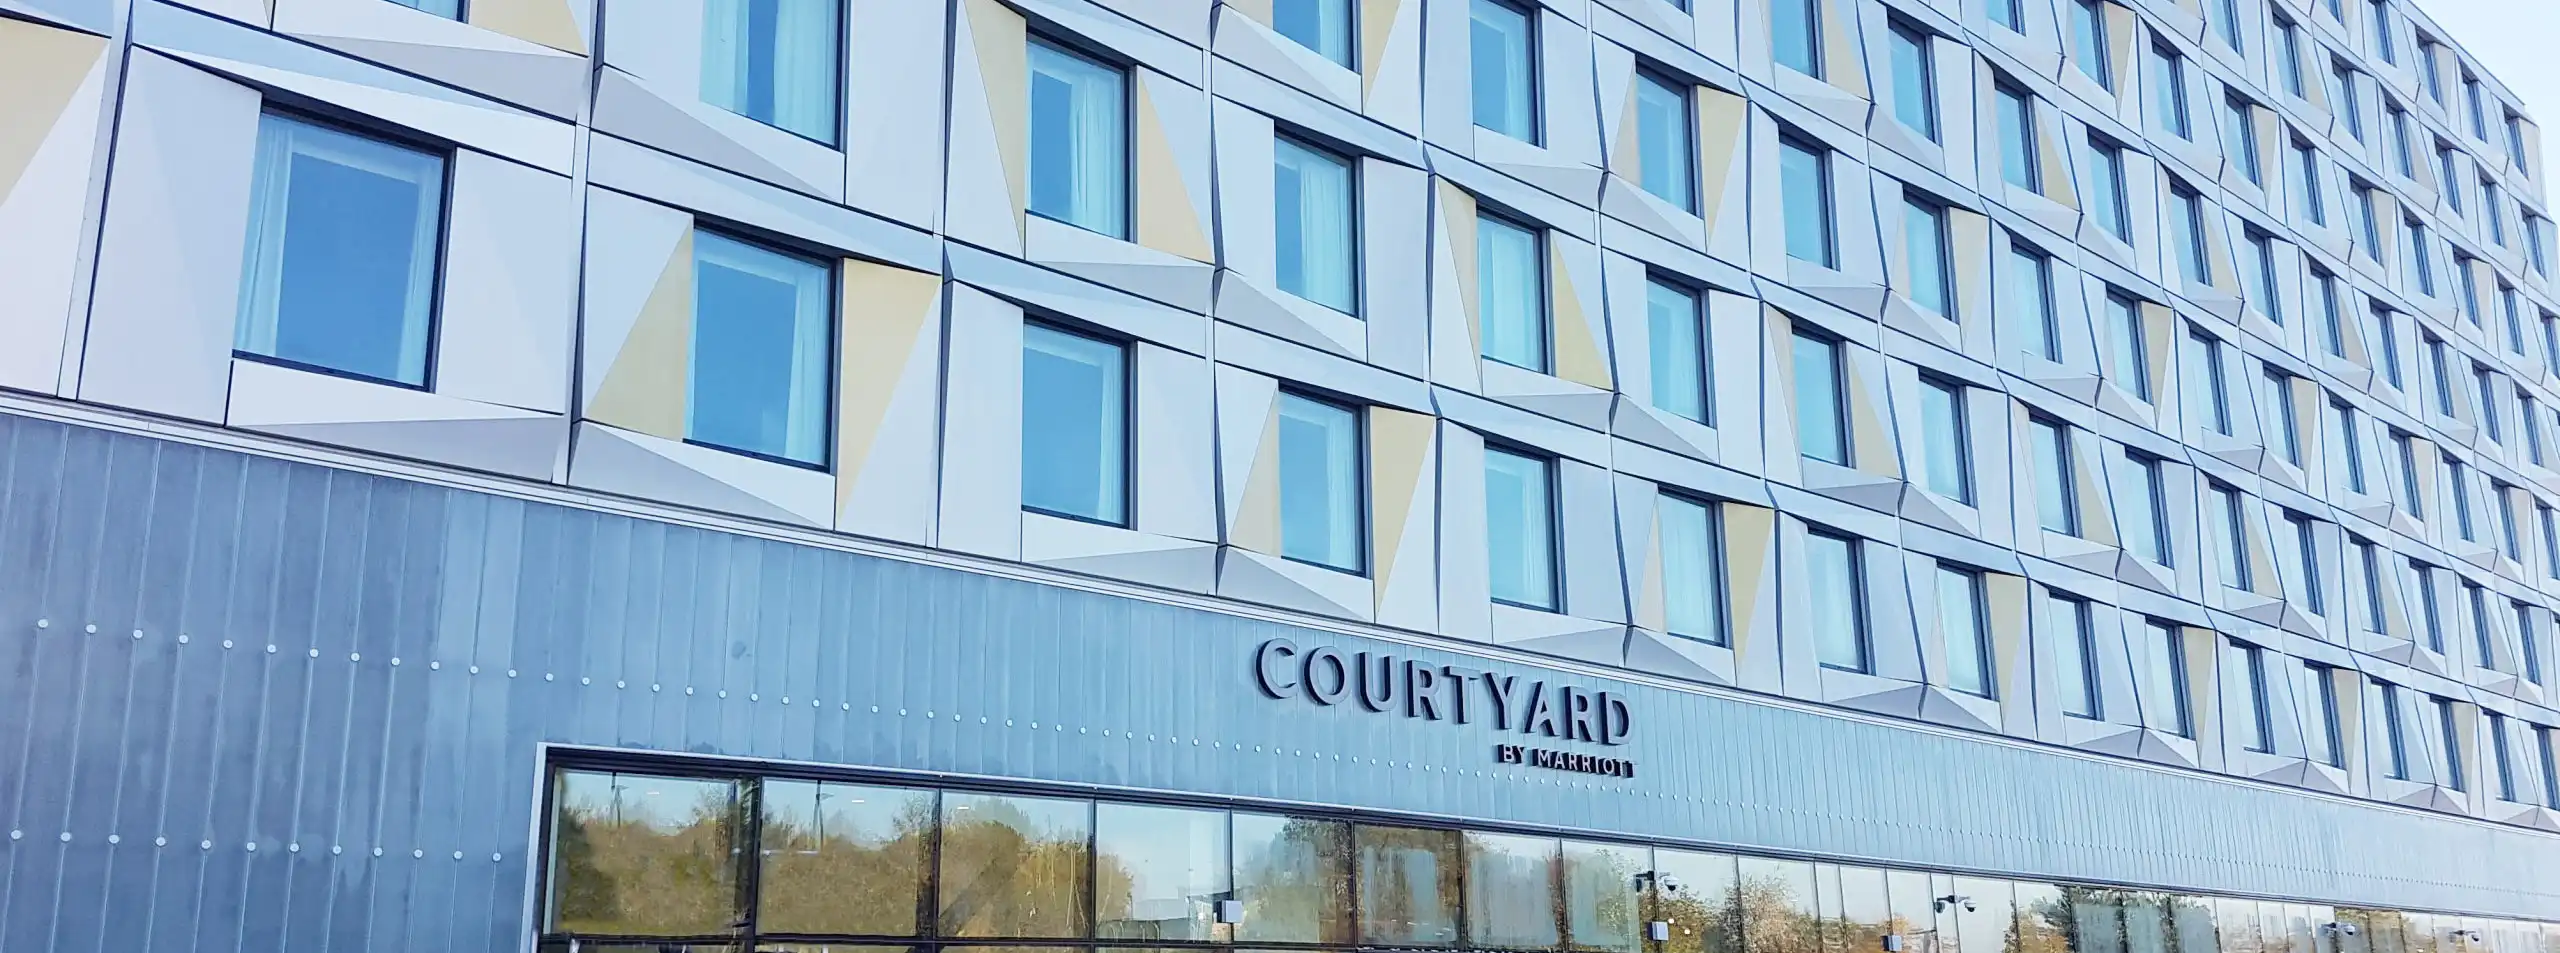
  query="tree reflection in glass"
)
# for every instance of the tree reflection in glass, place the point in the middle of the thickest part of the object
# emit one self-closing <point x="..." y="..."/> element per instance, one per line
<point x="1294" y="876"/>
<point x="1511" y="891"/>
<point x="1014" y="866"/>
<point x="1408" y="886"/>
<point x="842" y="859"/>
<point x="1600" y="896"/>
<point x="1159" y="872"/>
<point x="1778" y="914"/>
<point x="1695" y="895"/>
<point x="640" y="855"/>
<point x="2045" y="920"/>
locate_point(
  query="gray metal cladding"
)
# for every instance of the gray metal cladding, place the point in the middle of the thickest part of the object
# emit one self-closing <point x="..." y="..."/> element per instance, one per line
<point x="257" y="705"/>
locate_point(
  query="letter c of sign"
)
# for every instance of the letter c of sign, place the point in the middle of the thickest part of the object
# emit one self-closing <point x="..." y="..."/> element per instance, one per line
<point x="1271" y="668"/>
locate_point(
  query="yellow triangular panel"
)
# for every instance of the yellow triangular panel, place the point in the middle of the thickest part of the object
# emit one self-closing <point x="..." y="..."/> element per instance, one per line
<point x="1398" y="444"/>
<point x="1258" y="515"/>
<point x="1578" y="357"/>
<point x="884" y="309"/>
<point x="1168" y="221"/>
<point x="998" y="34"/>
<point x="644" y="390"/>
<point x="548" y="22"/>
<point x="40" y="68"/>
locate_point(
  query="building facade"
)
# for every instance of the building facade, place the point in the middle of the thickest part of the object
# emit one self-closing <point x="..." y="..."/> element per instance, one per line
<point x="1616" y="476"/>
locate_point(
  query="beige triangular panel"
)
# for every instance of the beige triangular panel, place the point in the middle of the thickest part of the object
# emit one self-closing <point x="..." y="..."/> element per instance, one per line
<point x="1748" y="533"/>
<point x="1259" y="11"/>
<point x="1004" y="66"/>
<point x="1720" y="119"/>
<point x="1626" y="156"/>
<point x="1258" y="515"/>
<point x="1840" y="51"/>
<point x="644" y="390"/>
<point x="1578" y="357"/>
<point x="1168" y="220"/>
<point x="40" y="68"/>
<point x="2005" y="597"/>
<point x="1651" y="613"/>
<point x="1399" y="443"/>
<point x="548" y="22"/>
<point x="1377" y="25"/>
<point x="884" y="309"/>
<point x="1458" y="216"/>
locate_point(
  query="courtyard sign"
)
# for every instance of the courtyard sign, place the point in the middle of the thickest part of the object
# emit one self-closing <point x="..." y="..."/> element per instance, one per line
<point x="1384" y="684"/>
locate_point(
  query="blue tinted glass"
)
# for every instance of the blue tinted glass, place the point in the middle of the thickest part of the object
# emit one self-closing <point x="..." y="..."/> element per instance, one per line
<point x="1678" y="355"/>
<point x="1320" y="25"/>
<point x="2030" y="302"/>
<point x="1833" y="597"/>
<point x="2007" y="14"/>
<point x="1312" y="225"/>
<point x="1319" y="483"/>
<point x="1505" y="81"/>
<point x="1692" y="586"/>
<point x="1079" y="142"/>
<point x="1817" y="398"/>
<point x="2067" y="631"/>
<point x="1942" y="442"/>
<point x="1794" y="36"/>
<point x="773" y="61"/>
<point x="1915" y="94"/>
<point x="2055" y="509"/>
<point x="1662" y="138"/>
<point x="1075" y="450"/>
<point x="1519" y="545"/>
<point x="1511" y="294"/>
<point x="1924" y="234"/>
<point x="1804" y="186"/>
<point x="2169" y="93"/>
<point x="760" y="350"/>
<point x="448" y="9"/>
<point x="2088" y="41"/>
<point x="340" y="267"/>
<point x="2017" y="139"/>
<point x="2106" y="178"/>
<point x="1960" y="622"/>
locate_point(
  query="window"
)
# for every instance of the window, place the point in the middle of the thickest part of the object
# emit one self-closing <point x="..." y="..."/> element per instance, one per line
<point x="1314" y="219"/>
<point x="2482" y="641"/>
<point x="2132" y="348"/>
<point x="2450" y="721"/>
<point x="2498" y="752"/>
<point x="2528" y="643"/>
<point x="1915" y="81"/>
<point x="2369" y="565"/>
<point x="2394" y="733"/>
<point x="1692" y="569"/>
<point x="1075" y="425"/>
<point x="2216" y="394"/>
<point x="1925" y="243"/>
<point x="2226" y="22"/>
<point x="639" y="824"/>
<point x="2550" y="540"/>
<point x="2428" y="71"/>
<point x="2017" y="138"/>
<point x="2030" y="300"/>
<point x="2529" y="420"/>
<point x="2280" y="416"/>
<point x="2141" y="507"/>
<point x="2289" y="49"/>
<point x="2325" y="740"/>
<point x="2244" y="138"/>
<point x="2499" y="493"/>
<point x="2262" y="276"/>
<point x="342" y="251"/>
<point x="2306" y="184"/>
<point x="1804" y="184"/>
<point x="1519" y="491"/>
<point x="2346" y="100"/>
<point x="2169" y="91"/>
<point x="2489" y="416"/>
<point x="2479" y="117"/>
<point x="1946" y="441"/>
<point x="2514" y="312"/>
<point x="2550" y="748"/>
<point x="1968" y="636"/>
<point x="1821" y="408"/>
<point x="2448" y="175"/>
<point x="1502" y="43"/>
<point x="2367" y="197"/>
<point x="2436" y="366"/>
<point x="2532" y="227"/>
<point x="2106" y="178"/>
<point x="2186" y="226"/>
<point x="1320" y="25"/>
<point x="2551" y="343"/>
<point x="2160" y="674"/>
<point x="2229" y="520"/>
<point x="2342" y="430"/>
<point x="1795" y="35"/>
<point x="2420" y="267"/>
<point x="2007" y="13"/>
<point x="2382" y="32"/>
<point x="2075" y="656"/>
<point x="2406" y="445"/>
<point x="1320" y="504"/>
<point x="2470" y="290"/>
<point x="762" y="347"/>
<point x="2057" y="508"/>
<point x="2398" y="120"/>
<point x="2333" y="331"/>
<point x="1833" y="586"/>
<point x="2257" y="727"/>
<point x="1079" y="140"/>
<point x="1511" y="295"/>
<point x="2515" y="142"/>
<point x="2458" y="486"/>
<point x="2422" y="579"/>
<point x="1679" y="350"/>
<point x="2089" y="41"/>
<point x="2490" y="215"/>
<point x="1665" y="158"/>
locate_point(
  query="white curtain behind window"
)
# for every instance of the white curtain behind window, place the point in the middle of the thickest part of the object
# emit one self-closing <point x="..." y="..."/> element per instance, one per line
<point x="1316" y="187"/>
<point x="804" y="67"/>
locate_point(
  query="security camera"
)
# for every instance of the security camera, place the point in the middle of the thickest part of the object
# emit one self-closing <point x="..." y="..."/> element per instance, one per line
<point x="1671" y="884"/>
<point x="2343" y="929"/>
<point x="1957" y="901"/>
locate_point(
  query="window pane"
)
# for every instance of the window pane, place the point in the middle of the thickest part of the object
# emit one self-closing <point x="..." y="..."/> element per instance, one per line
<point x="1678" y="353"/>
<point x="1820" y="431"/>
<point x="1519" y="529"/>
<point x="1692" y="583"/>
<point x="1511" y="891"/>
<point x="1311" y="219"/>
<point x="1804" y="182"/>
<point x="842" y="858"/>
<point x="2321" y="741"/>
<point x="1943" y="442"/>
<point x="1662" y="139"/>
<point x="1294" y="876"/>
<point x="2055" y="504"/>
<point x="2161" y="677"/>
<point x="2106" y="177"/>
<point x="773" y="61"/>
<point x="2186" y="228"/>
<point x="2243" y="134"/>
<point x="1511" y="293"/>
<point x="637" y="855"/>
<point x="2075" y="666"/>
<point x="2168" y="92"/>
<point x="1833" y="597"/>
<point x="1504" y="87"/>
<point x="1924" y="231"/>
<point x="1014" y="866"/>
<point x="2088" y="41"/>
<point x="761" y="350"/>
<point x="2029" y="298"/>
<point x="1795" y="37"/>
<point x="1705" y="914"/>
<point x="2017" y="139"/>
<point x="2253" y="724"/>
<point x="1775" y="899"/>
<point x="2228" y="520"/>
<point x="1915" y="93"/>
<point x="2132" y="348"/>
<point x="340" y="270"/>
<point x="1601" y="897"/>
<point x="2139" y="506"/>
<point x="1408" y="886"/>
<point x="1159" y="872"/>
<point x="1079" y="164"/>
<point x="1319" y="483"/>
<point x="1960" y="621"/>
<point x="1075" y="453"/>
<point x="1320" y="25"/>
